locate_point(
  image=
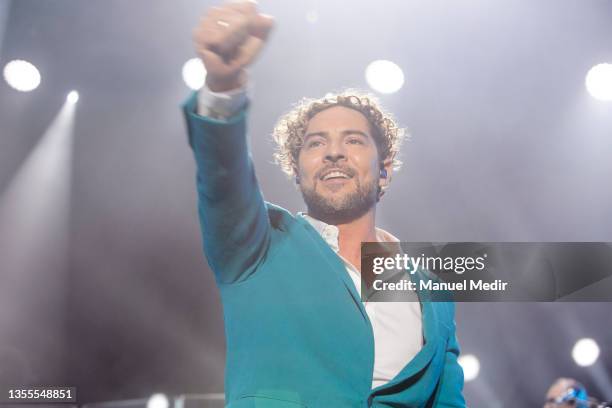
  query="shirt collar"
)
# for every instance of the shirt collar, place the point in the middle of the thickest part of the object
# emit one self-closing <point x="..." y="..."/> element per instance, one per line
<point x="327" y="231"/>
<point x="330" y="232"/>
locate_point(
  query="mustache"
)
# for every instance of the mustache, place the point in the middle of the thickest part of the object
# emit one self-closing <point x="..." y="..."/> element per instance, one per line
<point x="345" y="169"/>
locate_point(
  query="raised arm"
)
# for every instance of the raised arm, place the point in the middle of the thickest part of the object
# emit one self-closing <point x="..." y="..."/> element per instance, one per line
<point x="233" y="216"/>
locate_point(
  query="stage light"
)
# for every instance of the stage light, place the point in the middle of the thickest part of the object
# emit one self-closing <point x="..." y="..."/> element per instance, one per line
<point x="312" y="16"/>
<point x="194" y="73"/>
<point x="73" y="97"/>
<point x="22" y="75"/>
<point x="158" y="401"/>
<point x="470" y="365"/>
<point x="599" y="82"/>
<point x="585" y="352"/>
<point x="384" y="76"/>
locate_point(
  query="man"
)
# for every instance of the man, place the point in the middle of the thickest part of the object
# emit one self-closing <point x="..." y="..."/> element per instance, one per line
<point x="297" y="331"/>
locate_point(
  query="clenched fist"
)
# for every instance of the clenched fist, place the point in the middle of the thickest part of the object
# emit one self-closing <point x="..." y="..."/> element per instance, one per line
<point x="228" y="39"/>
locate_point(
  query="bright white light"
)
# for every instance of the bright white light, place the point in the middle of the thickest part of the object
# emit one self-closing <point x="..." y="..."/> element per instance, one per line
<point x="73" y="97"/>
<point x="22" y="75"/>
<point x="35" y="221"/>
<point x="384" y="76"/>
<point x="194" y="73"/>
<point x="312" y="16"/>
<point x="470" y="365"/>
<point x="599" y="82"/>
<point x="585" y="352"/>
<point x="158" y="401"/>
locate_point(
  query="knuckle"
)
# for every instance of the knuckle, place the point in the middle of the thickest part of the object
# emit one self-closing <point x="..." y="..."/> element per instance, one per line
<point x="213" y="39"/>
<point x="245" y="7"/>
<point x="240" y="19"/>
<point x="207" y="41"/>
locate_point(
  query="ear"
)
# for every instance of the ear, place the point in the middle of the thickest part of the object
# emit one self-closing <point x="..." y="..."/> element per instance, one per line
<point x="296" y="175"/>
<point x="386" y="166"/>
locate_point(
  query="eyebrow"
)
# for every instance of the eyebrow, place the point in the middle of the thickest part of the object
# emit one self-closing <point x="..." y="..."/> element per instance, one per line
<point x="344" y="133"/>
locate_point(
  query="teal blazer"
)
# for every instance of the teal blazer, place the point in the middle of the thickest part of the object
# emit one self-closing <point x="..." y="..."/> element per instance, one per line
<point x="297" y="333"/>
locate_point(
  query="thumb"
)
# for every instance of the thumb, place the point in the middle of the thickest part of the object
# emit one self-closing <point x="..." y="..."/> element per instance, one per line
<point x="261" y="26"/>
<point x="248" y="51"/>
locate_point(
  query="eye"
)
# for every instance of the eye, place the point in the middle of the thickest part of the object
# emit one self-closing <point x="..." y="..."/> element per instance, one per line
<point x="355" y="141"/>
<point x="314" y="143"/>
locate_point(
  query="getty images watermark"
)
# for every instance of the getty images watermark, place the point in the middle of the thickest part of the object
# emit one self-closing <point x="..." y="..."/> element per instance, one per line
<point x="411" y="265"/>
<point x="469" y="271"/>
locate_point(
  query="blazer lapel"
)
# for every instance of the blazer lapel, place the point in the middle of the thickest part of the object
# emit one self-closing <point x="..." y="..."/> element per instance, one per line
<point x="336" y="265"/>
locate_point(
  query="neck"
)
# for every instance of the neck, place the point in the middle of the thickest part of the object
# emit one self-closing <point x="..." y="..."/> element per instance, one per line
<point x="352" y="233"/>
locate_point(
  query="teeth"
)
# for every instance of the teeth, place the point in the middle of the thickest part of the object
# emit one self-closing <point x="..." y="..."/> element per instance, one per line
<point x="335" y="174"/>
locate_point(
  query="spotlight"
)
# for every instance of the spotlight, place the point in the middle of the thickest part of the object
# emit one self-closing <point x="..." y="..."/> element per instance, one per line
<point x="73" y="97"/>
<point x="384" y="76"/>
<point x="470" y="365"/>
<point x="194" y="73"/>
<point x="158" y="401"/>
<point x="22" y="75"/>
<point x="599" y="82"/>
<point x="585" y="352"/>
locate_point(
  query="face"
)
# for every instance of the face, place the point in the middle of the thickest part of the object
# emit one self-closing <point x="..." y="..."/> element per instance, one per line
<point x="339" y="166"/>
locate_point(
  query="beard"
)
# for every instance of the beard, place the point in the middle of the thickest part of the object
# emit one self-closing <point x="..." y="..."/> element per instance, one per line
<point x="342" y="207"/>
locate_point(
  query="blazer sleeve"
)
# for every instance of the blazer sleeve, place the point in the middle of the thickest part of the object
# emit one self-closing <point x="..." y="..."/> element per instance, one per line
<point x="450" y="389"/>
<point x="233" y="217"/>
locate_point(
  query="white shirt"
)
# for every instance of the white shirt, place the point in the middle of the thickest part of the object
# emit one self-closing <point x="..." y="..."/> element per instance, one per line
<point x="396" y="326"/>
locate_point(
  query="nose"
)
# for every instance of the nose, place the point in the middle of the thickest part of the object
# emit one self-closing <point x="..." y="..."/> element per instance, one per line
<point x="335" y="152"/>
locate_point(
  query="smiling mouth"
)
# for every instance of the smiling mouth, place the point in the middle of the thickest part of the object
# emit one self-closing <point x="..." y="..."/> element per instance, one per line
<point x="335" y="175"/>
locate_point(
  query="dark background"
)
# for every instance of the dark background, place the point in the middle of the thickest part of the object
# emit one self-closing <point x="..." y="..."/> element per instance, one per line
<point x="505" y="145"/>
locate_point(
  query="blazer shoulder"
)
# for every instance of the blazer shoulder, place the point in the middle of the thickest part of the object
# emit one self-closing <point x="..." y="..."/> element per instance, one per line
<point x="280" y="218"/>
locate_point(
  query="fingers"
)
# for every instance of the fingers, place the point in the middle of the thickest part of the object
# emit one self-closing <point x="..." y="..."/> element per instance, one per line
<point x="229" y="38"/>
<point x="212" y="61"/>
<point x="248" y="7"/>
<point x="261" y="25"/>
<point x="248" y="51"/>
<point x="223" y="31"/>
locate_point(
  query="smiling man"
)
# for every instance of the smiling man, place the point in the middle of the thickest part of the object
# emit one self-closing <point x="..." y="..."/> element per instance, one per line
<point x="337" y="163"/>
<point x="298" y="333"/>
<point x="342" y="158"/>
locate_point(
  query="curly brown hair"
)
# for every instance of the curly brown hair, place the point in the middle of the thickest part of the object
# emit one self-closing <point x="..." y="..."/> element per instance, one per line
<point x="289" y="131"/>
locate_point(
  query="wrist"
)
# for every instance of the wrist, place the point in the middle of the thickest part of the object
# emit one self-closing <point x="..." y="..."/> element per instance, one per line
<point x="226" y="84"/>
